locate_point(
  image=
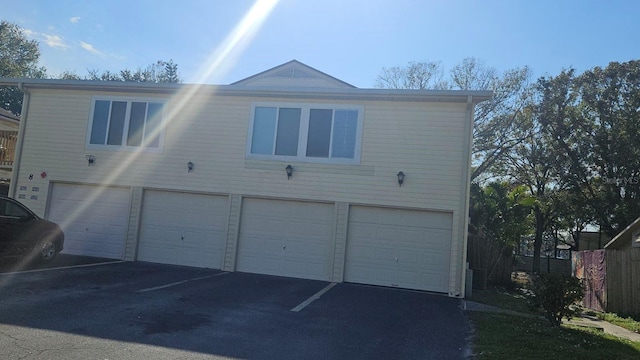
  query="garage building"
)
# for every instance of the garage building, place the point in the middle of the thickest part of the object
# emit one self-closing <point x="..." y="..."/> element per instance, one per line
<point x="290" y="172"/>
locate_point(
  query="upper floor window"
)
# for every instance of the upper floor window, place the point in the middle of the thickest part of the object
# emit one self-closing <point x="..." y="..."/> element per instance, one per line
<point x="315" y="133"/>
<point x="125" y="123"/>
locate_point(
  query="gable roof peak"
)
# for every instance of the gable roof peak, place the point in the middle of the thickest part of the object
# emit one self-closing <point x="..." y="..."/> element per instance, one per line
<point x="293" y="74"/>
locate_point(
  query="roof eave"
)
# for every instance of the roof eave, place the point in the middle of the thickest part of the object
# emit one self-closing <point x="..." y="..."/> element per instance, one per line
<point x="232" y="90"/>
<point x="622" y="235"/>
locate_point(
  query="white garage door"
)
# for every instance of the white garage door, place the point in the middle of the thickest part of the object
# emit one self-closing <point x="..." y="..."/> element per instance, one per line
<point x="285" y="238"/>
<point x="183" y="228"/>
<point x="404" y="248"/>
<point x="93" y="218"/>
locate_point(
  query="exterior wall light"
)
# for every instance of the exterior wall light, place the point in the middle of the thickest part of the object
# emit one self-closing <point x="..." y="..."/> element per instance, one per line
<point x="400" y="178"/>
<point x="91" y="160"/>
<point x="189" y="166"/>
<point x="289" y="170"/>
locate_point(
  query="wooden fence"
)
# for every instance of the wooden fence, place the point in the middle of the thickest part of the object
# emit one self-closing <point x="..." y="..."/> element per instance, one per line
<point x="552" y="265"/>
<point x="623" y="281"/>
<point x="611" y="279"/>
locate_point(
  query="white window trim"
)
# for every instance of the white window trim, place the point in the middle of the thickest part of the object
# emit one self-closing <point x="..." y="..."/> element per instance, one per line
<point x="124" y="146"/>
<point x="303" y="133"/>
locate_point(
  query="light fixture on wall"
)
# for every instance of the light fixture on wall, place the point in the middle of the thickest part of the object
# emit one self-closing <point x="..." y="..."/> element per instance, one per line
<point x="289" y="170"/>
<point x="400" y="178"/>
<point x="190" y="166"/>
<point x="91" y="160"/>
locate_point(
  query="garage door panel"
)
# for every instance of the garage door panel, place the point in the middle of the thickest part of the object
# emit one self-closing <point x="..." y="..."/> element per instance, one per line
<point x="437" y="240"/>
<point x="403" y="218"/>
<point x="303" y="267"/>
<point x="183" y="228"/>
<point x="93" y="218"/>
<point x="360" y="234"/>
<point x="407" y="278"/>
<point x="398" y="247"/>
<point x="286" y="238"/>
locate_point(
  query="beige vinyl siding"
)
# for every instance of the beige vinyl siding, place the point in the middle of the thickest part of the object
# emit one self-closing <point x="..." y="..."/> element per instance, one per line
<point x="212" y="133"/>
<point x="307" y="82"/>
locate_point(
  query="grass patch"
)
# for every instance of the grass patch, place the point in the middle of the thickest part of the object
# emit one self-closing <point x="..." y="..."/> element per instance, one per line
<point x="506" y="299"/>
<point x="502" y="336"/>
<point x="627" y="323"/>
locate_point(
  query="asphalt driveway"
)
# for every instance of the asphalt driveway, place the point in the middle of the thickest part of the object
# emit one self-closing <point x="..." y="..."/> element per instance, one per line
<point x="135" y="310"/>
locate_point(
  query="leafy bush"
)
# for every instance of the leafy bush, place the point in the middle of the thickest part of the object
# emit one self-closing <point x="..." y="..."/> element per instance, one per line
<point x="556" y="294"/>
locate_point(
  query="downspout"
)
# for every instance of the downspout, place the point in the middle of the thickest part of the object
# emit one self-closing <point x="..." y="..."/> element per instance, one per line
<point x="15" y="174"/>
<point x="466" y="190"/>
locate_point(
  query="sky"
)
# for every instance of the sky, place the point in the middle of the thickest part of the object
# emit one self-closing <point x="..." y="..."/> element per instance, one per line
<point x="223" y="41"/>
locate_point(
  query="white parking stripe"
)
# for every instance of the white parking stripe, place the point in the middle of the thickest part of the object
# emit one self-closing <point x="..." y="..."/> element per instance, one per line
<point x="313" y="298"/>
<point x="62" y="267"/>
<point x="180" y="282"/>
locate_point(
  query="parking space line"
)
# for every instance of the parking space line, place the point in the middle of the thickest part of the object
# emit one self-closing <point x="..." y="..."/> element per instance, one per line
<point x="179" y="282"/>
<point x="62" y="267"/>
<point x="313" y="298"/>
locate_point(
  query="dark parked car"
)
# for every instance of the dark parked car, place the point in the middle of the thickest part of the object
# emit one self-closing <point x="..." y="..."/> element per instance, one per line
<point x="22" y="232"/>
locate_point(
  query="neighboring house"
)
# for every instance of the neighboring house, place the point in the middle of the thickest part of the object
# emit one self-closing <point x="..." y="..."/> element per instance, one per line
<point x="612" y="275"/>
<point x="593" y="240"/>
<point x="195" y="175"/>
<point x="9" y="124"/>
<point x="627" y="239"/>
<point x="8" y="121"/>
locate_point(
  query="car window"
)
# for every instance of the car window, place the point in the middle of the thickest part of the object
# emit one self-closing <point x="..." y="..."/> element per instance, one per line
<point x="8" y="208"/>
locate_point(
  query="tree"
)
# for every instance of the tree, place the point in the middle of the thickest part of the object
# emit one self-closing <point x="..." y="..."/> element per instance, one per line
<point x="69" y="75"/>
<point x="415" y="76"/>
<point x="594" y="121"/>
<point x="573" y="215"/>
<point x="533" y="164"/>
<point x="169" y="73"/>
<point x="495" y="120"/>
<point x="499" y="215"/>
<point x="18" y="58"/>
<point x="473" y="74"/>
<point x="159" y="72"/>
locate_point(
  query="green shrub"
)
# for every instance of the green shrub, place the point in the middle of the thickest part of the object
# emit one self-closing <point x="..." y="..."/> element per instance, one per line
<point x="556" y="294"/>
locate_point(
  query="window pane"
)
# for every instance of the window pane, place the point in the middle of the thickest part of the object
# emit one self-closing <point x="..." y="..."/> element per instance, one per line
<point x="12" y="209"/>
<point x="264" y="127"/>
<point x="344" y="134"/>
<point x="136" y="123"/>
<point x="319" y="136"/>
<point x="288" y="131"/>
<point x="4" y="205"/>
<point x="116" y="126"/>
<point x="99" y="122"/>
<point x="154" y="125"/>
